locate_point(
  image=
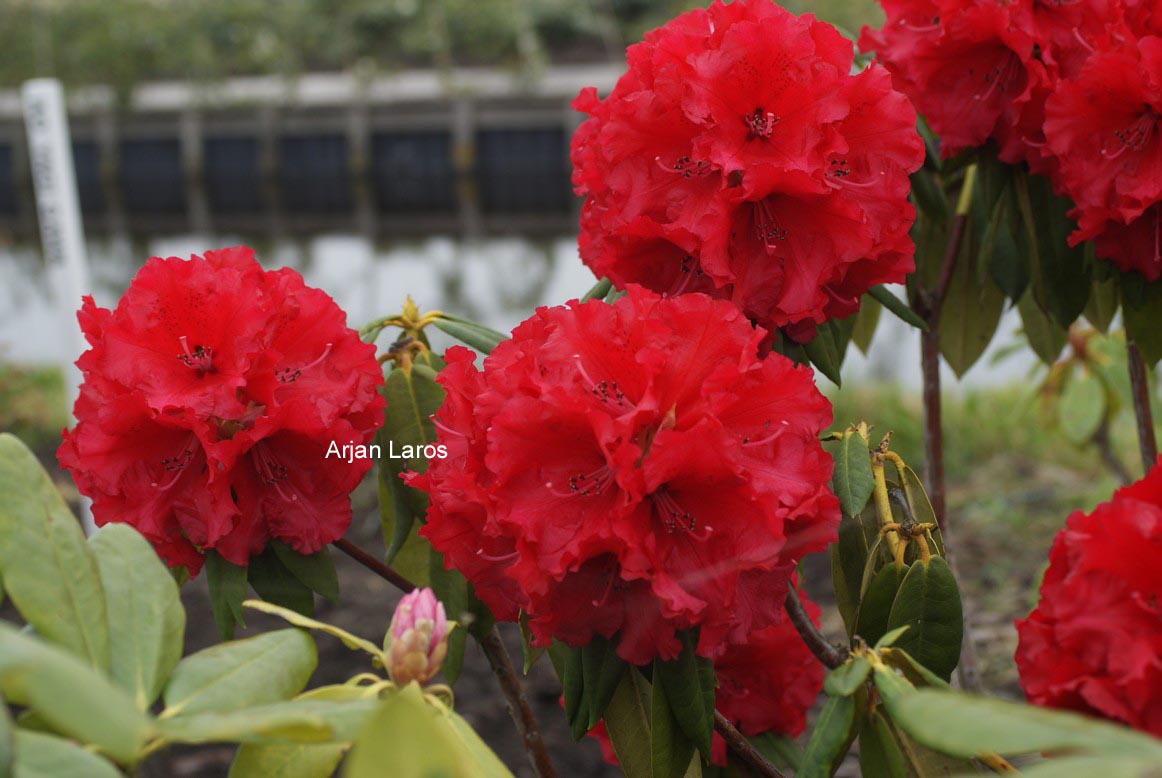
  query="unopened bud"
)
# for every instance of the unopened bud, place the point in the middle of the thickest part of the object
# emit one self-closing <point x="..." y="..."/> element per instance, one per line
<point x="419" y="638"/>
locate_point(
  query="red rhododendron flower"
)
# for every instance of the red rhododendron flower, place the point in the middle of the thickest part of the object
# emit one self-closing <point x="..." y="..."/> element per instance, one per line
<point x="212" y="394"/>
<point x="739" y="157"/>
<point x="765" y="684"/>
<point x="1105" y="129"/>
<point x="1094" y="642"/>
<point x="631" y="469"/>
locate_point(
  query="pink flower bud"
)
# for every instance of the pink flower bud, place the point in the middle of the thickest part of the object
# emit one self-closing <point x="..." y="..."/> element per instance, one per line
<point x="419" y="638"/>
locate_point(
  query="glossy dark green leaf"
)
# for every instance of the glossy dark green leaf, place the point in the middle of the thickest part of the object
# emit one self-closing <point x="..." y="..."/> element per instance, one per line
<point x="690" y="682"/>
<point x="601" y="671"/>
<point x="1007" y="265"/>
<point x="316" y="571"/>
<point x="876" y="608"/>
<point x="928" y="603"/>
<point x="227" y="584"/>
<point x="273" y="582"/>
<point x="1045" y="336"/>
<point x="970" y="314"/>
<point x="844" y="680"/>
<point x="866" y="321"/>
<point x="48" y="570"/>
<point x="848" y="557"/>
<point x="477" y="336"/>
<point x="1142" y="312"/>
<point x="829" y="346"/>
<point x="451" y="589"/>
<point x="780" y="750"/>
<point x="879" y="753"/>
<point x="670" y="748"/>
<point x="1103" y="302"/>
<point x="917" y="674"/>
<point x="1062" y="276"/>
<point x="928" y="195"/>
<point x="897" y="307"/>
<point x="834" y="730"/>
<point x="852" y="478"/>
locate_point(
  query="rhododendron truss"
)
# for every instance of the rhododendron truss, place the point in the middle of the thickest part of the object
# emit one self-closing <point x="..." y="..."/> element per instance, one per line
<point x="740" y="157"/>
<point x="1094" y="642"/>
<point x="211" y="394"/>
<point x="631" y="469"/>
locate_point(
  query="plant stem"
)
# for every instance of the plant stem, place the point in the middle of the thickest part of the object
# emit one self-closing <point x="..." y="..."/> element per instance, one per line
<point x="1101" y="440"/>
<point x="742" y="748"/>
<point x="933" y="422"/>
<point x="494" y="650"/>
<point x="518" y="705"/>
<point x="829" y="655"/>
<point x="1140" y="389"/>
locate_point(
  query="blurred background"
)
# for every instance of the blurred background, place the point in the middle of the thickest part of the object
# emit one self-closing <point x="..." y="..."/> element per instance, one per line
<point x="394" y="147"/>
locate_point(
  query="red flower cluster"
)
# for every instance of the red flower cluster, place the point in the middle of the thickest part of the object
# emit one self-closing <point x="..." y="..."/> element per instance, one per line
<point x="1094" y="642"/>
<point x="739" y="157"/>
<point x="765" y="684"/>
<point x="1073" y="89"/>
<point x="631" y="469"/>
<point x="211" y="396"/>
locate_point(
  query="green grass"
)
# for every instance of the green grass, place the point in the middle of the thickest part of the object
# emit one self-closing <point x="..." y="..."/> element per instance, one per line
<point x="32" y="406"/>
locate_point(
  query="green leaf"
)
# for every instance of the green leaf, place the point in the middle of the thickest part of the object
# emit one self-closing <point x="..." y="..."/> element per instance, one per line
<point x="690" y="683"/>
<point x="671" y="748"/>
<point x="601" y="671"/>
<point x="407" y="736"/>
<point x="483" y="339"/>
<point x="879" y="754"/>
<point x="916" y="673"/>
<point x="928" y="602"/>
<point x="48" y="570"/>
<point x="77" y="700"/>
<point x="7" y="731"/>
<point x="1088" y="766"/>
<point x="288" y="760"/>
<point x="1103" y="303"/>
<point x="295" y="618"/>
<point x="451" y="589"/>
<point x="147" y="622"/>
<point x="598" y="291"/>
<point x="227" y="584"/>
<point x="965" y="725"/>
<point x="1082" y="406"/>
<point x="1045" y="336"/>
<point x="302" y="721"/>
<point x="848" y="558"/>
<point x="530" y="652"/>
<point x="876" y="607"/>
<point x="1062" y="275"/>
<point x="45" y="756"/>
<point x="273" y="582"/>
<point x="267" y="668"/>
<point x="889" y="639"/>
<point x="627" y="720"/>
<point x="928" y="195"/>
<point x="970" y="314"/>
<point x="1142" y="310"/>
<point x="831" y="738"/>
<point x="827" y="349"/>
<point x="919" y="504"/>
<point x="852" y="477"/>
<point x="780" y="750"/>
<point x="866" y="321"/>
<point x="897" y="307"/>
<point x="1008" y="266"/>
<point x="567" y="663"/>
<point x="407" y="552"/>
<point x="316" y="571"/>
<point x="844" y="680"/>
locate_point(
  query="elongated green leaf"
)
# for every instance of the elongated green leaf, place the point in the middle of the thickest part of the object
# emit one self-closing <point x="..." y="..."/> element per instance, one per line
<point x="929" y="197"/>
<point x="302" y="721"/>
<point x="267" y="668"/>
<point x="897" y="307"/>
<point x="1142" y="310"/>
<point x="922" y="762"/>
<point x="848" y="558"/>
<point x="1103" y="302"/>
<point x="670" y="747"/>
<point x="73" y="697"/>
<point x="832" y="736"/>
<point x="1009" y="267"/>
<point x="627" y="720"/>
<point x="407" y="736"/>
<point x="227" y="584"/>
<point x="316" y="571"/>
<point x="928" y="603"/>
<point x="451" y="589"/>
<point x="7" y="731"/>
<point x="876" y="607"/>
<point x="147" y="622"/>
<point x="866" y="321"/>
<point x="288" y="760"/>
<point x="970" y="314"/>
<point x="1062" y="274"/>
<point x="780" y="750"/>
<point x="598" y="291"/>
<point x="879" y="754"/>
<point x="297" y="619"/>
<point x="48" y="570"/>
<point x="917" y="674"/>
<point x="45" y="756"/>
<point x="690" y="682"/>
<point x="1107" y="766"/>
<point x="919" y="504"/>
<point x="889" y="638"/>
<point x="1045" y="336"/>
<point x="852" y="477"/>
<point x="829" y="346"/>
<point x="273" y="582"/>
<point x="1083" y="406"/>
<point x="483" y="339"/>
<point x="601" y="670"/>
<point x="966" y="725"/>
<point x="849" y="676"/>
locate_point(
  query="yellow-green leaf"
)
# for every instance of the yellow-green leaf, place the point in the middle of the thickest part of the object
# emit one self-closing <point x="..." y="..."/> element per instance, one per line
<point x="353" y="642"/>
<point x="46" y="756"/>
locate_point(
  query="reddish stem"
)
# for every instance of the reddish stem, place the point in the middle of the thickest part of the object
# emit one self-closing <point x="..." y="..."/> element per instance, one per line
<point x="1140" y="389"/>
